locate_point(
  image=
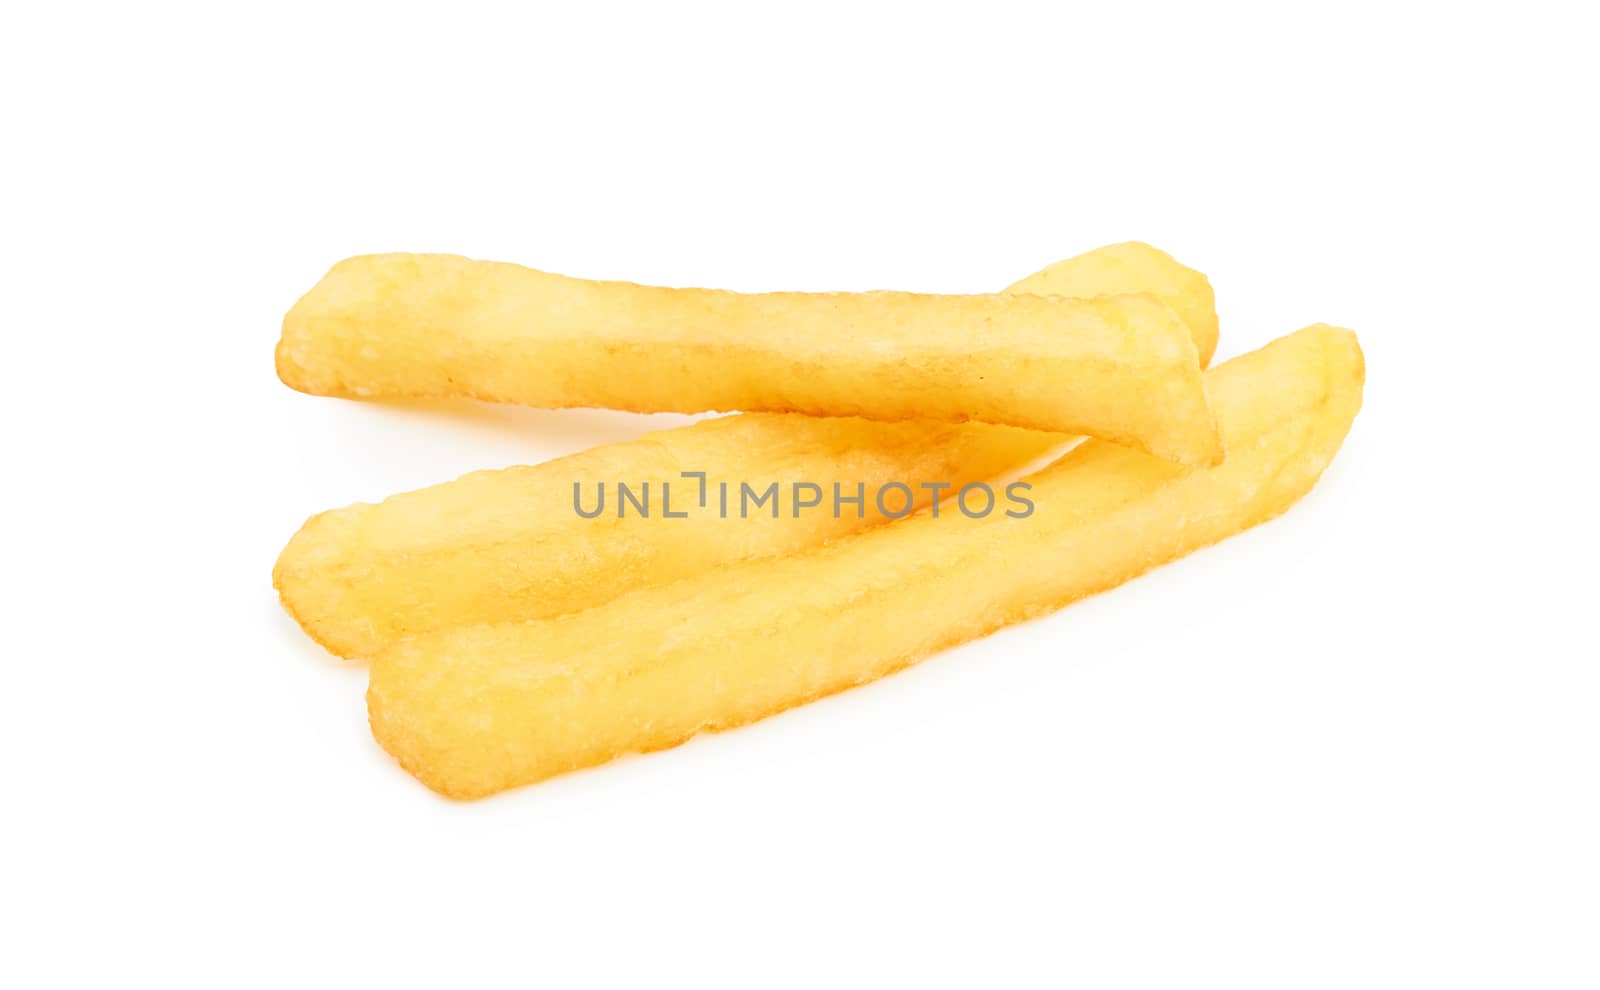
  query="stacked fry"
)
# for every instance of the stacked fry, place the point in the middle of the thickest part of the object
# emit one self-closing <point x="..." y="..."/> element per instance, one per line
<point x="516" y="634"/>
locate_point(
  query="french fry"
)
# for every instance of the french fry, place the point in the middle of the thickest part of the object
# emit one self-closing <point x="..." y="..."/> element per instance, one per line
<point x="508" y="545"/>
<point x="1134" y="267"/>
<point x="1120" y="367"/>
<point x="477" y="710"/>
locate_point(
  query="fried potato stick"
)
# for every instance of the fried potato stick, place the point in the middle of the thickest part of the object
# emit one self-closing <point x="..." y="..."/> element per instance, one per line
<point x="508" y="545"/>
<point x="477" y="710"/>
<point x="1124" y="367"/>
<point x="1134" y="267"/>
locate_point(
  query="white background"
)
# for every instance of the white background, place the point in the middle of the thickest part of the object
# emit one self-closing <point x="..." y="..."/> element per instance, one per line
<point x="1356" y="747"/>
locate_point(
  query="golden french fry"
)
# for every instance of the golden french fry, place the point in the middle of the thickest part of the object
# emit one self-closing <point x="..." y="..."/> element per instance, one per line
<point x="1134" y="267"/>
<point x="1120" y="367"/>
<point x="508" y="545"/>
<point x="505" y="545"/>
<point x="480" y="709"/>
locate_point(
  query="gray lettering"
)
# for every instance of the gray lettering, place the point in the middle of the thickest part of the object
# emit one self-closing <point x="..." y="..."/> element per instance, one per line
<point x="961" y="500"/>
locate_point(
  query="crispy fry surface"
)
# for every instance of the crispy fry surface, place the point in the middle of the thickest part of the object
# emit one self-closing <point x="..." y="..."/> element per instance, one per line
<point x="1121" y="367"/>
<point x="477" y="710"/>
<point x="498" y="546"/>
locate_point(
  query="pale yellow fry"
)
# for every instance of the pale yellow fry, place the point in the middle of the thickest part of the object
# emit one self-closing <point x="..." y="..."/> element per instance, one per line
<point x="503" y="545"/>
<point x="507" y="545"/>
<point x="1134" y="267"/>
<point x="477" y="710"/>
<point x="1121" y="367"/>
